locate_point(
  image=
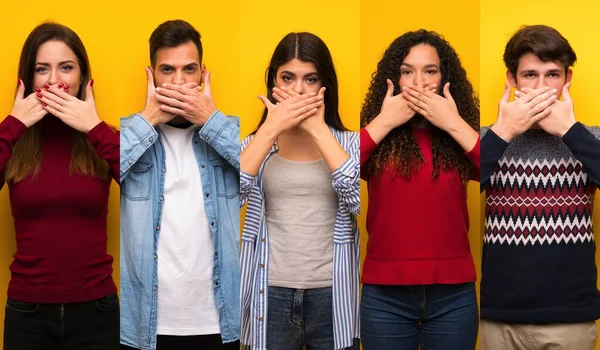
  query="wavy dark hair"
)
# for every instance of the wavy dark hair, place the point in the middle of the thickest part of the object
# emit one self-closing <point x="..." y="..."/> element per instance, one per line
<point x="306" y="47"/>
<point x="399" y="150"/>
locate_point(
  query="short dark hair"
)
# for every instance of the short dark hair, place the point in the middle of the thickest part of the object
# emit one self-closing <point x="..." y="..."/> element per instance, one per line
<point x="307" y="47"/>
<point x="172" y="34"/>
<point x="544" y="42"/>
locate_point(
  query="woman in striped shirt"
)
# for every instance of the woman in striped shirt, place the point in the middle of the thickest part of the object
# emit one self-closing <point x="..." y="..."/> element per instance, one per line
<point x="300" y="178"/>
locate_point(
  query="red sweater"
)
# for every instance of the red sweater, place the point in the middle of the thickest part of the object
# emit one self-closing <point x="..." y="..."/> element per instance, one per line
<point x="418" y="229"/>
<point x="60" y="219"/>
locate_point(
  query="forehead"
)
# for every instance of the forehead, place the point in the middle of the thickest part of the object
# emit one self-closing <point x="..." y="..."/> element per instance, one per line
<point x="55" y="50"/>
<point x="530" y="62"/>
<point x="178" y="55"/>
<point x="298" y="67"/>
<point x="422" y="54"/>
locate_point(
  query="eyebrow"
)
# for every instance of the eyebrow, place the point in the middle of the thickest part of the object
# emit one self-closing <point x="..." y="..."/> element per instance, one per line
<point x="293" y="74"/>
<point x="528" y="71"/>
<point x="61" y="63"/>
<point x="431" y="65"/>
<point x="193" y="64"/>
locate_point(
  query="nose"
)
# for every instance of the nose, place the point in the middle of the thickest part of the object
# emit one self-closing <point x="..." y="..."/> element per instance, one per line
<point x="419" y="79"/>
<point x="540" y="82"/>
<point x="179" y="78"/>
<point x="52" y="77"/>
<point x="299" y="86"/>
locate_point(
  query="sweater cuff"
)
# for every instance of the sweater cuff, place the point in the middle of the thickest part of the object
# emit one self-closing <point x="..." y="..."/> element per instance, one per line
<point x="367" y="145"/>
<point x="13" y="127"/>
<point x="575" y="133"/>
<point x="98" y="132"/>
<point x="475" y="153"/>
<point x="494" y="142"/>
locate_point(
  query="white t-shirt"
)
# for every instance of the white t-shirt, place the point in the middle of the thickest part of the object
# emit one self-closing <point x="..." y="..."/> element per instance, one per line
<point x="186" y="302"/>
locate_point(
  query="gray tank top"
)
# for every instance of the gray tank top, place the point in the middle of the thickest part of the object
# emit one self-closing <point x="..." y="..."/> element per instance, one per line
<point x="301" y="207"/>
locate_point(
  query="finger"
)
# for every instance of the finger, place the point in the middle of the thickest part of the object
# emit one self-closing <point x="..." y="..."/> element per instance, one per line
<point x="190" y="85"/>
<point x="206" y="79"/>
<point x="542" y="105"/>
<point x="173" y="110"/>
<point x="281" y="92"/>
<point x="306" y="115"/>
<point x="534" y="94"/>
<point x="566" y="93"/>
<point x="184" y="90"/>
<point x="300" y="111"/>
<point x="266" y="102"/>
<point x="543" y="114"/>
<point x="412" y="91"/>
<point x="171" y="93"/>
<point x="540" y="98"/>
<point x="413" y="100"/>
<point x="305" y="100"/>
<point x="46" y="102"/>
<point x="59" y="93"/>
<point x="506" y="94"/>
<point x="55" y="112"/>
<point x="418" y="109"/>
<point x="390" y="89"/>
<point x="49" y="96"/>
<point x="289" y="92"/>
<point x="20" y="90"/>
<point x="278" y="97"/>
<point x="89" y="92"/>
<point x="322" y="92"/>
<point x="447" y="93"/>
<point x="173" y="102"/>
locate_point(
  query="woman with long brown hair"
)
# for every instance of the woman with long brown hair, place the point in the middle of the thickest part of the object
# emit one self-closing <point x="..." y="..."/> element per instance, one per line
<point x="58" y="158"/>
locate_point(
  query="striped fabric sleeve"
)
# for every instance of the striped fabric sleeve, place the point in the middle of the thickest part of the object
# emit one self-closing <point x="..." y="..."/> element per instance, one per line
<point x="346" y="178"/>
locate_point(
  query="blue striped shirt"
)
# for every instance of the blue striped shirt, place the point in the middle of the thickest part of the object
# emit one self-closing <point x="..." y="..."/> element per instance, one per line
<point x="346" y="251"/>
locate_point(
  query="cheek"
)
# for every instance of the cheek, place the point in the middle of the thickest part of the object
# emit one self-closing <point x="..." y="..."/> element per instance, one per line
<point x="404" y="81"/>
<point x="39" y="81"/>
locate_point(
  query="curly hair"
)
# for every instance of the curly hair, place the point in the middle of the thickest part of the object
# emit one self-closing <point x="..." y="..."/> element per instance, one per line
<point x="399" y="149"/>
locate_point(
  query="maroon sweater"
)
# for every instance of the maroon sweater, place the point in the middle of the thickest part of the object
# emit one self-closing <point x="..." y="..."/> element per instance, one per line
<point x="418" y="229"/>
<point x="60" y="219"/>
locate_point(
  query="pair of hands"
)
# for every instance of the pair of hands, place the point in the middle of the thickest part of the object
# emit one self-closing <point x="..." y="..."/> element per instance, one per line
<point x="190" y="101"/>
<point x="80" y="115"/>
<point x="307" y="111"/>
<point x="533" y="106"/>
<point x="441" y="111"/>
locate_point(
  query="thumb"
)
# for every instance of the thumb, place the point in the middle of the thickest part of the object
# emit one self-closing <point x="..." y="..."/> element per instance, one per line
<point x="150" y="80"/>
<point x="206" y="78"/>
<point x="447" y="92"/>
<point x="20" y="90"/>
<point x="566" y="93"/>
<point x="506" y="95"/>
<point x="89" y="92"/>
<point x="266" y="101"/>
<point x="322" y="92"/>
<point x="390" y="88"/>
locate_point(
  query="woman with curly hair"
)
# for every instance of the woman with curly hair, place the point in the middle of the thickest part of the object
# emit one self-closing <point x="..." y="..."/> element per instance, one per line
<point x="419" y="148"/>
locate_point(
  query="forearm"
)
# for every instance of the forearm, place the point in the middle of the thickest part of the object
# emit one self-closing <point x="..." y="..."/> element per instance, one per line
<point x="586" y="148"/>
<point x="329" y="147"/>
<point x="492" y="149"/>
<point x="11" y="130"/>
<point x="257" y="150"/>
<point x="105" y="141"/>
<point x="224" y="136"/>
<point x="464" y="135"/>
<point x="136" y="137"/>
<point x="378" y="128"/>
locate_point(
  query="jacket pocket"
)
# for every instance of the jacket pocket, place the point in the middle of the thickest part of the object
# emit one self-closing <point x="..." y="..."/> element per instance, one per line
<point x="137" y="185"/>
<point x="226" y="178"/>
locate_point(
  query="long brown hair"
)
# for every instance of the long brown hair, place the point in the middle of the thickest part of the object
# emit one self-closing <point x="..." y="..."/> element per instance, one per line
<point x="27" y="153"/>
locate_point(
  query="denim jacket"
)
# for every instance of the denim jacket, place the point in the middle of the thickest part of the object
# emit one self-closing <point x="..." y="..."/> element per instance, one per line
<point x="142" y="167"/>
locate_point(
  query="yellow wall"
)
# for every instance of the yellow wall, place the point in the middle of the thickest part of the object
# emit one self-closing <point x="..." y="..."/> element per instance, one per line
<point x="577" y="21"/>
<point x="116" y="37"/>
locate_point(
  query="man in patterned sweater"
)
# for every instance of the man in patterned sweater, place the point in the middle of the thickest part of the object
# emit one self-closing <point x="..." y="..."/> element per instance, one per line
<point x="540" y="169"/>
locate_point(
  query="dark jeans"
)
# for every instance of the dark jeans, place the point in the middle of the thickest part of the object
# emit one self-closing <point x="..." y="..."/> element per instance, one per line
<point x="434" y="317"/>
<point x="191" y="342"/>
<point x="92" y="325"/>
<point x="298" y="317"/>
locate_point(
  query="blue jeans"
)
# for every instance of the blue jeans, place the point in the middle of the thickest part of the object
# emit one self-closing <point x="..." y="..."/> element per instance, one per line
<point x="298" y="317"/>
<point x="434" y="317"/>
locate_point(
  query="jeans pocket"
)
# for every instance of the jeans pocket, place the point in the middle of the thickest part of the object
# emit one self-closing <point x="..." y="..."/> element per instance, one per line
<point x="21" y="306"/>
<point x="108" y="303"/>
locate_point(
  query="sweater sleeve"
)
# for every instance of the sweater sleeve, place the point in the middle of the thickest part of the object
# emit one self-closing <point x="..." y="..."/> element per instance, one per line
<point x="492" y="149"/>
<point x="11" y="130"/>
<point x="105" y="141"/>
<point x="586" y="148"/>
<point x="474" y="155"/>
<point x="367" y="147"/>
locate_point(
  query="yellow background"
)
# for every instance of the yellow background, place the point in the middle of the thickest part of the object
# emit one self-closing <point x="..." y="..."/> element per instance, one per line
<point x="577" y="21"/>
<point x="458" y="21"/>
<point x="116" y="38"/>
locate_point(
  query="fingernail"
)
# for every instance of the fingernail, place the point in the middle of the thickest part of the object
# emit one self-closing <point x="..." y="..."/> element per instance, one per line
<point x="46" y="86"/>
<point x="18" y="82"/>
<point x="61" y="85"/>
<point x="38" y="90"/>
<point x="553" y="91"/>
<point x="44" y="104"/>
<point x="164" y="85"/>
<point x="157" y="89"/>
<point x="66" y="86"/>
<point x="39" y="95"/>
<point x="92" y="82"/>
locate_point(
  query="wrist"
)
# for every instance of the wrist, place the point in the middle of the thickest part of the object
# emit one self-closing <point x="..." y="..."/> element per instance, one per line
<point x="502" y="132"/>
<point x="268" y="133"/>
<point x="149" y="117"/>
<point x="383" y="121"/>
<point x="566" y="128"/>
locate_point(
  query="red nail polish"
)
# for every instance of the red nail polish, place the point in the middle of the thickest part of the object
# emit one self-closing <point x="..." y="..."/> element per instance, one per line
<point x="44" y="104"/>
<point x="38" y="90"/>
<point x="39" y="95"/>
<point x="92" y="82"/>
<point x="60" y="85"/>
<point x="46" y="86"/>
<point x="66" y="87"/>
<point x="18" y="82"/>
